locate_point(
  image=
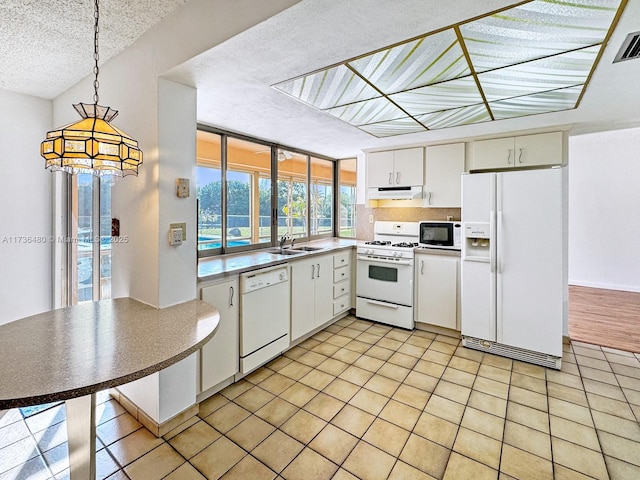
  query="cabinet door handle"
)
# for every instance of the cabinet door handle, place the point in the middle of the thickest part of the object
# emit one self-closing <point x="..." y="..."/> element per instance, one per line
<point x="430" y="198"/>
<point x="313" y="272"/>
<point x="390" y="178"/>
<point x="520" y="156"/>
<point x="231" y="293"/>
<point x="318" y="270"/>
<point x="397" y="178"/>
<point x="509" y="158"/>
<point x="422" y="267"/>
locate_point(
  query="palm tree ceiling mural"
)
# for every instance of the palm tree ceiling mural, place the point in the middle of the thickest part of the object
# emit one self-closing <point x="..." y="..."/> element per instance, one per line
<point x="534" y="58"/>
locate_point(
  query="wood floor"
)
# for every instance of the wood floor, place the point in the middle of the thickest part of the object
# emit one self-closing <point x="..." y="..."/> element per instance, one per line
<point x="610" y="318"/>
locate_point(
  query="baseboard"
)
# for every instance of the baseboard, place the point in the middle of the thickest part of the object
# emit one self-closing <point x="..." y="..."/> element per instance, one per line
<point x="158" y="429"/>
<point x="427" y="327"/>
<point x="606" y="286"/>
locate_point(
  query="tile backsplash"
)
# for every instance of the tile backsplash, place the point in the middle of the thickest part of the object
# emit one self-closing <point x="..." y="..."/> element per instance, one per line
<point x="364" y="229"/>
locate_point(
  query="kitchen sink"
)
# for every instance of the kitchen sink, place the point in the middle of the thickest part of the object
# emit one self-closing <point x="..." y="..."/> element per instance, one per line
<point x="307" y="249"/>
<point x="286" y="251"/>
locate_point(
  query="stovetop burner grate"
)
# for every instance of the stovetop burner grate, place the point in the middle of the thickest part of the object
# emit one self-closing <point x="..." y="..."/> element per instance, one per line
<point x="378" y="242"/>
<point x="405" y="245"/>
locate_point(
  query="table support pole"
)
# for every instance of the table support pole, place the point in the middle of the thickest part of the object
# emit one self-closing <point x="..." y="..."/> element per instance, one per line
<point x="81" y="432"/>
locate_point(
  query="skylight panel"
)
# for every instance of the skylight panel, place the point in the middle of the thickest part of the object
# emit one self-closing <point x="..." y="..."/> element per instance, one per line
<point x="534" y="58"/>
<point x="553" y="101"/>
<point x="431" y="59"/>
<point x="369" y="111"/>
<point x="399" y="126"/>
<point x="329" y="88"/>
<point x="443" y="96"/>
<point x="541" y="75"/>
<point x="456" y="117"/>
<point x="535" y="30"/>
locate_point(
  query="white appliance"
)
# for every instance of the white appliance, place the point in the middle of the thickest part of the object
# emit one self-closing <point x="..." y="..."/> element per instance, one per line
<point x="384" y="281"/>
<point x="514" y="264"/>
<point x="264" y="316"/>
<point x="438" y="234"/>
<point x="396" y="193"/>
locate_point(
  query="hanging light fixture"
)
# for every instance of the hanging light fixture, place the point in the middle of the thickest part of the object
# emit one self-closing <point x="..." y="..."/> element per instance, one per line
<point x="92" y="145"/>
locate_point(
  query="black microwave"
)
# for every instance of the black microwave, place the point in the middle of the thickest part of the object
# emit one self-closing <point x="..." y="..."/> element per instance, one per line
<point x="435" y="234"/>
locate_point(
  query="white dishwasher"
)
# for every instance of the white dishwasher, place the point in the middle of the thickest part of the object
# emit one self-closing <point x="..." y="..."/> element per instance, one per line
<point x="264" y="316"/>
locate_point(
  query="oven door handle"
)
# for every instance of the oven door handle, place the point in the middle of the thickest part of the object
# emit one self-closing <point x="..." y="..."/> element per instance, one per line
<point x="383" y="260"/>
<point x="382" y="304"/>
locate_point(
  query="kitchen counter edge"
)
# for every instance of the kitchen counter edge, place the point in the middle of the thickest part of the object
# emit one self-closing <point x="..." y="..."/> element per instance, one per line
<point x="221" y="266"/>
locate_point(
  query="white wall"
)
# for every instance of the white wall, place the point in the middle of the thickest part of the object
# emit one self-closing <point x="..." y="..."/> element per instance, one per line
<point x="25" y="207"/>
<point x="161" y="115"/>
<point x="604" y="222"/>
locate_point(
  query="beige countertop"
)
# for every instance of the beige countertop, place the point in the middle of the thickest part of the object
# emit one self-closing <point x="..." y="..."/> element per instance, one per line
<point x="212" y="268"/>
<point x="79" y="350"/>
<point x="437" y="251"/>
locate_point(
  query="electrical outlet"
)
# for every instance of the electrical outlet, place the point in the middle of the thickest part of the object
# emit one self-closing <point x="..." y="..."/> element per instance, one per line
<point x="175" y="237"/>
<point x="370" y="218"/>
<point x="177" y="233"/>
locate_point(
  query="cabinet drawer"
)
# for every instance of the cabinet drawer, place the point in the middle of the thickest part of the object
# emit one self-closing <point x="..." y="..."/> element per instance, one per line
<point x="341" y="259"/>
<point x="340" y="289"/>
<point x="340" y="274"/>
<point x="341" y="304"/>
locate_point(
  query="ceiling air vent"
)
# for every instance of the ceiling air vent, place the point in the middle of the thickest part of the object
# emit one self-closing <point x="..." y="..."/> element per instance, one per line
<point x="630" y="48"/>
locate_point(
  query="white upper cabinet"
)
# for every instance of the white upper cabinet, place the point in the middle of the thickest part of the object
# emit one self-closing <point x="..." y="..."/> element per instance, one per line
<point x="544" y="149"/>
<point x="444" y="165"/>
<point x="396" y="168"/>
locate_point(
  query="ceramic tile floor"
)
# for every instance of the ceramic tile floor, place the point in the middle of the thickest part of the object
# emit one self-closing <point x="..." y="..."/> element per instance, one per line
<point x="363" y="400"/>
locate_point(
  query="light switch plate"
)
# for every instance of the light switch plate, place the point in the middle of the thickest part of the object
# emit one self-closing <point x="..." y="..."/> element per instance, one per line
<point x="182" y="187"/>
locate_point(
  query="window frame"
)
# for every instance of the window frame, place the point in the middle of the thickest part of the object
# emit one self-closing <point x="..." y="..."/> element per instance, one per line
<point x="274" y="147"/>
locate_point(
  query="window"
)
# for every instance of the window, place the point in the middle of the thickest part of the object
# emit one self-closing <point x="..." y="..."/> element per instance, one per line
<point x="292" y="194"/>
<point x="239" y="205"/>
<point x="248" y="193"/>
<point x="347" y="200"/>
<point x="209" y="190"/>
<point x="321" y="196"/>
<point x="90" y="239"/>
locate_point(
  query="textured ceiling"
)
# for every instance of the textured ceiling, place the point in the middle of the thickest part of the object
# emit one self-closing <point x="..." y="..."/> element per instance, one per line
<point x="46" y="46"/>
<point x="235" y="79"/>
<point x="530" y="59"/>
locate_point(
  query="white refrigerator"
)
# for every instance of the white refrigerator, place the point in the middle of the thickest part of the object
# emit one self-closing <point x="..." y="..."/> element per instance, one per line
<point x="514" y="264"/>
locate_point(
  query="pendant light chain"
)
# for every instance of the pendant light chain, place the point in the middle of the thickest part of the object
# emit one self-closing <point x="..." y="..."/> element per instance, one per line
<point x="96" y="56"/>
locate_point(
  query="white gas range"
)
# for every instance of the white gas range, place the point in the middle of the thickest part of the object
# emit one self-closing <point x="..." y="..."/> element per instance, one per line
<point x="384" y="285"/>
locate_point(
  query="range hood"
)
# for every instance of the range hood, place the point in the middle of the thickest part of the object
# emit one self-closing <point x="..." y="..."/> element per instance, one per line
<point x="396" y="193"/>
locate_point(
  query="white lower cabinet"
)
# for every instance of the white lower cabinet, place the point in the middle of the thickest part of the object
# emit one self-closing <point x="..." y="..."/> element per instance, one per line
<point x="437" y="293"/>
<point x="220" y="356"/>
<point x="342" y="282"/>
<point x="311" y="293"/>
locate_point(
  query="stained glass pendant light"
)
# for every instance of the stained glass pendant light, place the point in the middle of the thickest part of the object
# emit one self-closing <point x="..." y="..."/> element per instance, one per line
<point x="92" y="145"/>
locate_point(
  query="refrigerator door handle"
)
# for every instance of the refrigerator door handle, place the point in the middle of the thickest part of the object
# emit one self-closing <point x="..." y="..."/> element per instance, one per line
<point x="492" y="250"/>
<point x="500" y="243"/>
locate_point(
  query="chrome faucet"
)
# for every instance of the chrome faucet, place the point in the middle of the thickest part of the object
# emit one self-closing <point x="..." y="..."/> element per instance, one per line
<point x="283" y="240"/>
